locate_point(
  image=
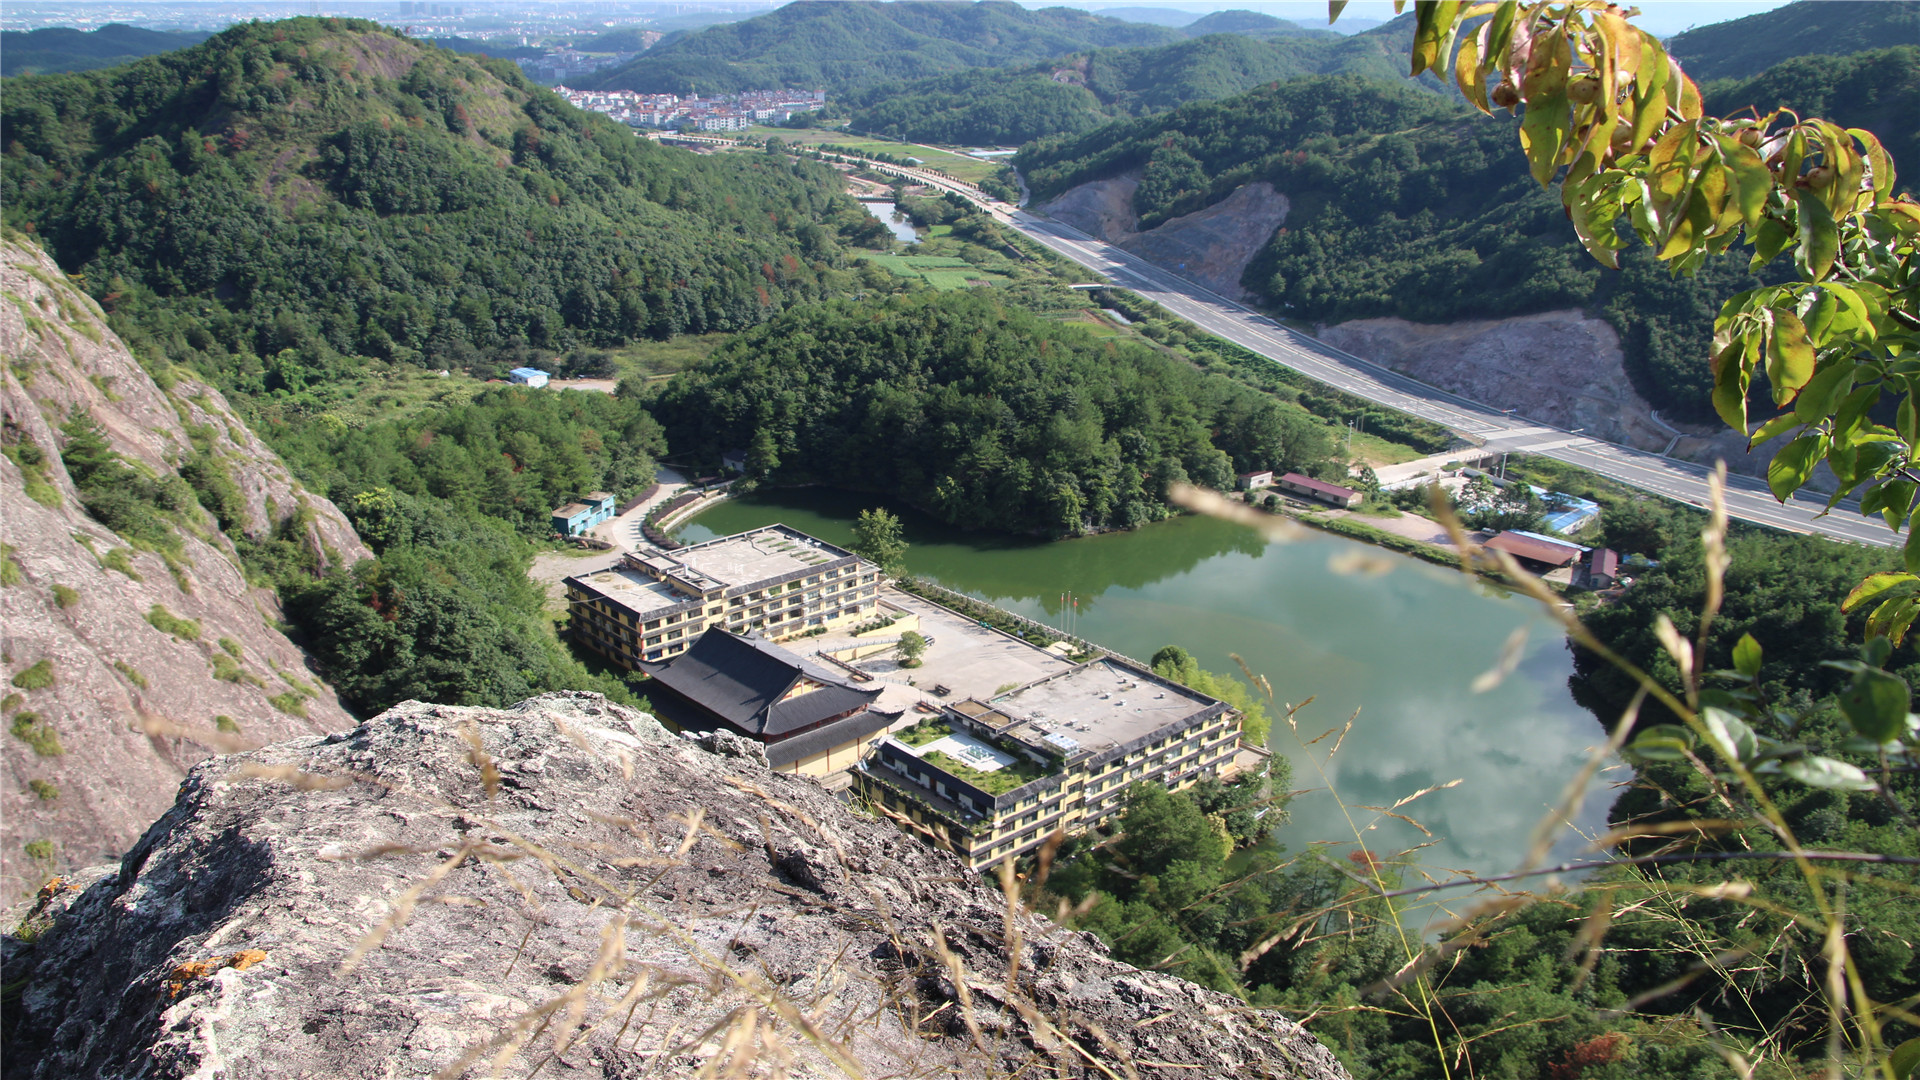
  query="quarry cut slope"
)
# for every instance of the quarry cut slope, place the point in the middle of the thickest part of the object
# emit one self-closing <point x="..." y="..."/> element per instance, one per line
<point x="563" y="886"/>
<point x="1211" y="246"/>
<point x="103" y="733"/>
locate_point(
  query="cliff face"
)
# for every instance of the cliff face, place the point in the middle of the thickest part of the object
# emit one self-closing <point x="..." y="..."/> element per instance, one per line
<point x="129" y="661"/>
<point x="563" y="887"/>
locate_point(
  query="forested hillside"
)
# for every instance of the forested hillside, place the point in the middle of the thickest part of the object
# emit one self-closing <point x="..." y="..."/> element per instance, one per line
<point x="1404" y="204"/>
<point x="982" y="413"/>
<point x="1741" y="48"/>
<point x="840" y="45"/>
<point x="62" y="48"/>
<point x="287" y="196"/>
<point x="1070" y="95"/>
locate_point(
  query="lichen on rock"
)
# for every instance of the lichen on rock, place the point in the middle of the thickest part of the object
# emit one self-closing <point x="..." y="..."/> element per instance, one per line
<point x="564" y="887"/>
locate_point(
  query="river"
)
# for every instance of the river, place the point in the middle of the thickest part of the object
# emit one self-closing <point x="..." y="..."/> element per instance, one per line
<point x="1401" y="647"/>
<point x="896" y="222"/>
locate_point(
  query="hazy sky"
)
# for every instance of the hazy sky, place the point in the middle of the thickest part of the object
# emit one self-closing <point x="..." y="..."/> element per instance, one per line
<point x="1662" y="17"/>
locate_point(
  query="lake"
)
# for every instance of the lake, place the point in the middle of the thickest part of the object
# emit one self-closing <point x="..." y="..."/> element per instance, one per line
<point x="1402" y="648"/>
<point x="896" y="222"/>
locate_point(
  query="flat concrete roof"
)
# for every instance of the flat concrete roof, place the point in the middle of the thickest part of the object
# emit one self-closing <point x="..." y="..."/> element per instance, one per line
<point x="764" y="553"/>
<point x="632" y="588"/>
<point x="1099" y="705"/>
<point x="970" y="660"/>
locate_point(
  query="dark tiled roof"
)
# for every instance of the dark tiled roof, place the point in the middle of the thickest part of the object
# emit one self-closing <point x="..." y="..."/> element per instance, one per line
<point x="744" y="681"/>
<point x="839" y="733"/>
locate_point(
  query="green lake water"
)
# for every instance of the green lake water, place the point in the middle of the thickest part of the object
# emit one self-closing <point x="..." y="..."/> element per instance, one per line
<point x="1402" y="648"/>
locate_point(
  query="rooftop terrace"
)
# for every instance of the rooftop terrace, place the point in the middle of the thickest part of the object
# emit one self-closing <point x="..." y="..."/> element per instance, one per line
<point x="1096" y="706"/>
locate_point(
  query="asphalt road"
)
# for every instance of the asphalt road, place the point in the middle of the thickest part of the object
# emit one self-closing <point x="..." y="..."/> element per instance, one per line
<point x="1747" y="498"/>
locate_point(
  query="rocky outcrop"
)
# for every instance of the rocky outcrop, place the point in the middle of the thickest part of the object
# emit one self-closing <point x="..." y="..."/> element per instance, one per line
<point x="129" y="662"/>
<point x="563" y="887"/>
<point x="1211" y="246"/>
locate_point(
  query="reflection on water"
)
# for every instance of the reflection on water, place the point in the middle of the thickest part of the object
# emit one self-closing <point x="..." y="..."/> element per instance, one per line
<point x="1401" y="650"/>
<point x="896" y="222"/>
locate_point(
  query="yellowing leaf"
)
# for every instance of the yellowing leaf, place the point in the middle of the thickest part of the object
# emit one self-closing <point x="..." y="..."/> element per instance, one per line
<point x="1790" y="356"/>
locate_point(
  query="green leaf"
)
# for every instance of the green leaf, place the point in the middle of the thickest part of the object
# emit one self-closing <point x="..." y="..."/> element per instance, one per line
<point x="1790" y="356"/>
<point x="1732" y="739"/>
<point x="1663" y="742"/>
<point x="1823" y="392"/>
<point x="1768" y="241"/>
<point x="1774" y="428"/>
<point x="1891" y="619"/>
<point x="1905" y="1059"/>
<point x="1790" y="468"/>
<point x="1892" y="499"/>
<point x="1876" y="704"/>
<point x="1827" y="773"/>
<point x="1874" y="586"/>
<point x="1433" y="25"/>
<point x="1911" y="553"/>
<point x="1819" y="237"/>
<point x="1819" y="317"/>
<point x="1746" y="656"/>
<point x="1875" y="651"/>
<point x="1334" y="8"/>
<point x="1852" y="318"/>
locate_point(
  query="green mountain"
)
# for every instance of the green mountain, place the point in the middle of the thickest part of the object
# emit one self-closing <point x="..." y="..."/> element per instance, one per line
<point x="60" y="48"/>
<point x="1740" y="48"/>
<point x="1072" y="95"/>
<point x="840" y="45"/>
<point x="1878" y="90"/>
<point x="289" y="196"/>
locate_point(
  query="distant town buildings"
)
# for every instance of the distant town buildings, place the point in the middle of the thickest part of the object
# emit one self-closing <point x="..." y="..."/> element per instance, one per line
<point x="730" y="112"/>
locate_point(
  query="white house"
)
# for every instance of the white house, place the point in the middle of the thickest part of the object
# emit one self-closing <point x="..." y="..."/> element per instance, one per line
<point x="527" y="376"/>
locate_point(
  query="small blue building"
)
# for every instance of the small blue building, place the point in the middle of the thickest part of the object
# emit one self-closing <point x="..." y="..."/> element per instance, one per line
<point x="527" y="376"/>
<point x="575" y="518"/>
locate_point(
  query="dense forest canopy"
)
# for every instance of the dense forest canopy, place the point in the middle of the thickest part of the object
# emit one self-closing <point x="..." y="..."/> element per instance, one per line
<point x="984" y="414"/>
<point x="1741" y="48"/>
<point x="288" y="195"/>
<point x="838" y="45"/>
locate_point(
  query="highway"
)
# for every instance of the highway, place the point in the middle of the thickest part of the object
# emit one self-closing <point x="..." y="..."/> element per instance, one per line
<point x="1747" y="497"/>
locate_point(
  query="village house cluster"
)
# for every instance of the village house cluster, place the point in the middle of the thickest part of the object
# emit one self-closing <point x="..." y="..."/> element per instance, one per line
<point x="986" y="745"/>
<point x="730" y="112"/>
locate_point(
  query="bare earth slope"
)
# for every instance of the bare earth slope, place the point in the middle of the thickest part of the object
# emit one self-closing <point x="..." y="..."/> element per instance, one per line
<point x="1211" y="246"/>
<point x="99" y="750"/>
<point x="621" y="903"/>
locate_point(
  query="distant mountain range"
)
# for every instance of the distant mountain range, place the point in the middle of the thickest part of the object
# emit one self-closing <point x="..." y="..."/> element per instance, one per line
<point x="1741" y="48"/>
<point x="60" y="48"/>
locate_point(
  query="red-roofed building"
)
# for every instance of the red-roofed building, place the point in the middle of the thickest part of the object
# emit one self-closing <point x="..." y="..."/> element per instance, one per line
<point x="1603" y="568"/>
<point x="1318" y="490"/>
<point x="1529" y="549"/>
<point x="1254" y="481"/>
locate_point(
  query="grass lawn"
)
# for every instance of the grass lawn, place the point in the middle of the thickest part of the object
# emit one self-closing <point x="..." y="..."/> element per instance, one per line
<point x="1377" y="451"/>
<point x="943" y="272"/>
<point x="657" y="359"/>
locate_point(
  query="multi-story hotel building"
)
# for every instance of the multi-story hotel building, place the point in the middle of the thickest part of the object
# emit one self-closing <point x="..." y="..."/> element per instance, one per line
<point x="773" y="582"/>
<point x="993" y="779"/>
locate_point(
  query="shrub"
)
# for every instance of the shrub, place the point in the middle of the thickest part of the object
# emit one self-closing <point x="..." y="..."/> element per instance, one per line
<point x="290" y="703"/>
<point x="38" y="677"/>
<point x="64" y="596"/>
<point x="168" y="623"/>
<point x="232" y="648"/>
<point x="120" y="560"/>
<point x="9" y="570"/>
<point x="43" y="791"/>
<point x="30" y="729"/>
<point x="39" y="850"/>
<point x="132" y="673"/>
<point x="226" y="724"/>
